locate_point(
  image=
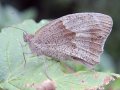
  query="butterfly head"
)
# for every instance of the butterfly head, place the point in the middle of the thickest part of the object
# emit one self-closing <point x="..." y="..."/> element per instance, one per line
<point x="27" y="37"/>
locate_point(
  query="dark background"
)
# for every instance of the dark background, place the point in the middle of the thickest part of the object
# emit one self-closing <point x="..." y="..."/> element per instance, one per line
<point x="15" y="11"/>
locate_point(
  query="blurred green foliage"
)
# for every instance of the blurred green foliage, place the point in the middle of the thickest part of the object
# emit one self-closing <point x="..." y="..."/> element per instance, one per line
<point x="9" y="16"/>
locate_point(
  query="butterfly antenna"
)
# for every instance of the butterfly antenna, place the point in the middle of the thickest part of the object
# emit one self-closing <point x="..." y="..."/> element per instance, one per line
<point x="19" y="29"/>
<point x="45" y="68"/>
<point x="23" y="54"/>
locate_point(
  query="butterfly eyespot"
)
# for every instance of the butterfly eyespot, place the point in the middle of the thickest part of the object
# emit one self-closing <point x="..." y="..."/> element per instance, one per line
<point x="99" y="37"/>
<point x="74" y="57"/>
<point x="74" y="46"/>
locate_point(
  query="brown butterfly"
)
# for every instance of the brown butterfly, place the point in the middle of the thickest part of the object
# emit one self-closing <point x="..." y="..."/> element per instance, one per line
<point x="79" y="37"/>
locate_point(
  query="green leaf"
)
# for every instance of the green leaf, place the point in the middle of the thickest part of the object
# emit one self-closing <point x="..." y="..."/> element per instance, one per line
<point x="20" y="71"/>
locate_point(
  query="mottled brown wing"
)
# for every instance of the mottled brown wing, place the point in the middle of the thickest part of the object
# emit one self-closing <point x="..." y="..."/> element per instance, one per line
<point x="79" y="36"/>
<point x="53" y="40"/>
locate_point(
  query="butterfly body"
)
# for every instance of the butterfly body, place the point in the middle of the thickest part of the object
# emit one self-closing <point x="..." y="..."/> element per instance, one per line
<point x="79" y="36"/>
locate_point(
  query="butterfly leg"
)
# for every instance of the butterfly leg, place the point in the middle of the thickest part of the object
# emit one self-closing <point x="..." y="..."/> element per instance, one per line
<point x="23" y="53"/>
<point x="45" y="66"/>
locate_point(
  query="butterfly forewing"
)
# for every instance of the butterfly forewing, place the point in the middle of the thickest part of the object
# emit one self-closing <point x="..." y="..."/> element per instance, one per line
<point x="79" y="36"/>
<point x="54" y="40"/>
